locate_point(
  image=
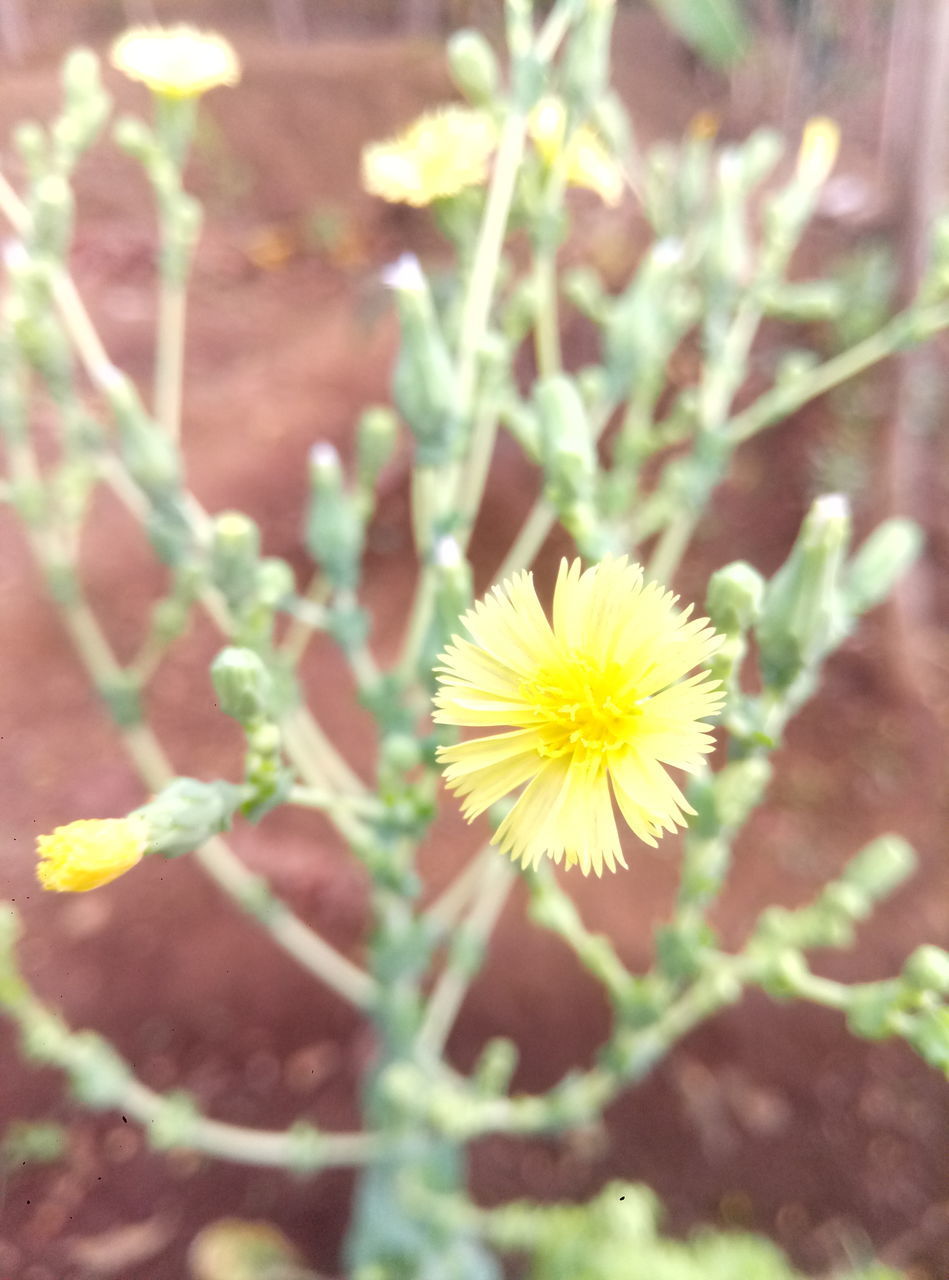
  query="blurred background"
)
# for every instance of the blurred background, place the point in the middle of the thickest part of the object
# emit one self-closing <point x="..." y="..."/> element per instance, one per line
<point x="771" y="1118"/>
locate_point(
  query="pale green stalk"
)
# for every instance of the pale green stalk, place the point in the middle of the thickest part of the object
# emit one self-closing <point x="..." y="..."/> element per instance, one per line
<point x="495" y="883"/>
<point x="101" y="371"/>
<point x="445" y="909"/>
<point x="779" y="402"/>
<point x="306" y="947"/>
<point x="169" y="354"/>
<point x="166" y="1115"/>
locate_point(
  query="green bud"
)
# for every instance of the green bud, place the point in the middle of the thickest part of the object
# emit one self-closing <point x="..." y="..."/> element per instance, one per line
<point x="235" y="554"/>
<point x="275" y="582"/>
<point x="928" y="1033"/>
<point x="452" y="583"/>
<point x="647" y="320"/>
<point x="473" y="66"/>
<point x="52" y="207"/>
<point x="880" y="563"/>
<point x="871" y="1010"/>
<point x="927" y="969"/>
<point x="734" y="599"/>
<point x="567" y="451"/>
<point x="802" y="616"/>
<point x="845" y="898"/>
<point x="495" y="1066"/>
<point x="135" y="138"/>
<point x="243" y="685"/>
<point x="423" y="383"/>
<point x="783" y="973"/>
<point x="376" y="436"/>
<point x="186" y="813"/>
<point x="881" y="867"/>
<point x="334" y="530"/>
<point x="793" y="367"/>
<point x="30" y="141"/>
<point x="738" y="789"/>
<point x="399" y="753"/>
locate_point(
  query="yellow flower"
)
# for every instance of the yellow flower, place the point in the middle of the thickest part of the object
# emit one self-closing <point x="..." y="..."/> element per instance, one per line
<point x="585" y="160"/>
<point x="817" y="155"/>
<point x="704" y="125"/>
<point x="176" y="62"/>
<point x="89" y="853"/>
<point x="596" y="704"/>
<point x="437" y="156"/>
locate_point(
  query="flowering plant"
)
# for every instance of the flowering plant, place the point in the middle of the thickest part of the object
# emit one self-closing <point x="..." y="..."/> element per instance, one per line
<point x="610" y="701"/>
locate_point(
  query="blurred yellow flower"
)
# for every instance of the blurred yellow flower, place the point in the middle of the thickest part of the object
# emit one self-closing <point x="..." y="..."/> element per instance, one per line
<point x="597" y="704"/>
<point x="704" y="125"/>
<point x="817" y="155"/>
<point x="84" y="855"/>
<point x="586" y="161"/>
<point x="176" y="62"/>
<point x="440" y="154"/>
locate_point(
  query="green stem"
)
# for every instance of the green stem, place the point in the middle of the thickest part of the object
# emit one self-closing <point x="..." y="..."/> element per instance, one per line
<point x="780" y="402"/>
<point x="169" y="354"/>
<point x="117" y="1088"/>
<point x="215" y="856"/>
<point x="452" y="986"/>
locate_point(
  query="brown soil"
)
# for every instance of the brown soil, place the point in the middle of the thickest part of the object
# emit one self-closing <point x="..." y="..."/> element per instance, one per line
<point x="771" y="1117"/>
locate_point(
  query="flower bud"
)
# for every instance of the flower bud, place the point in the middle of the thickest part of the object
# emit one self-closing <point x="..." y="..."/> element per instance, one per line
<point x="567" y="453"/>
<point x="52" y="209"/>
<point x="275" y="582"/>
<point x="881" y="866"/>
<point x="820" y="143"/>
<point x="423" y="383"/>
<point x="473" y="66"/>
<point x="648" y="318"/>
<point x="880" y="563"/>
<point x="803" y="613"/>
<point x="927" y="969"/>
<point x="243" y="685"/>
<point x="376" y="437"/>
<point x="735" y="595"/>
<point x="186" y="813"/>
<point x="334" y="531"/>
<point x="235" y="552"/>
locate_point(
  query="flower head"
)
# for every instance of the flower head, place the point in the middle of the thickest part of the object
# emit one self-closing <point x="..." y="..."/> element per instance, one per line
<point x="440" y="154"/>
<point x="84" y="855"/>
<point x="176" y="62"/>
<point x="586" y="161"/>
<point x="595" y="706"/>
<point x="817" y="154"/>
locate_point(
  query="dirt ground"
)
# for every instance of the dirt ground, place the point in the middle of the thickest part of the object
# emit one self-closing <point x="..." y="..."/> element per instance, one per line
<point x="770" y="1117"/>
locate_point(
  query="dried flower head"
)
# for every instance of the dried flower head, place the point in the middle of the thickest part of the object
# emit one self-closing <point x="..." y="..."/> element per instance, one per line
<point x="176" y="62"/>
<point x="440" y="154"/>
<point x="595" y="705"/>
<point x="585" y="159"/>
<point x="84" y="855"/>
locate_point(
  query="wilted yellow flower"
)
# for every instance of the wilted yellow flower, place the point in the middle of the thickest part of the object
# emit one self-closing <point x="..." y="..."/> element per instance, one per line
<point x="84" y="855"/>
<point x="597" y="703"/>
<point x="586" y="161"/>
<point x="176" y="62"/>
<point x="440" y="154"/>
<point x="817" y="155"/>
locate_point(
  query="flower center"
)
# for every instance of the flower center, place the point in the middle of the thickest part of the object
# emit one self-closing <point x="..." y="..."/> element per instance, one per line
<point x="582" y="708"/>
